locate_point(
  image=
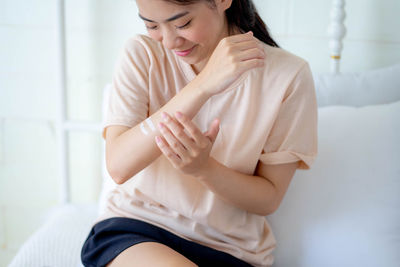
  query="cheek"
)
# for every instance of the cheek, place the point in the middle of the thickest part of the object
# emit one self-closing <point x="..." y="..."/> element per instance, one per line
<point x="205" y="31"/>
<point x="200" y="35"/>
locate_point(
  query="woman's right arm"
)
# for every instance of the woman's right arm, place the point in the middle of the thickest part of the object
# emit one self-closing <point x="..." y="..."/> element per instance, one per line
<point x="129" y="150"/>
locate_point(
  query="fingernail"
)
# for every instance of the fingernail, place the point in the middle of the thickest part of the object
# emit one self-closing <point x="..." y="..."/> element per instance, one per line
<point x="178" y="115"/>
<point x="158" y="139"/>
<point x="164" y="116"/>
<point x="161" y="126"/>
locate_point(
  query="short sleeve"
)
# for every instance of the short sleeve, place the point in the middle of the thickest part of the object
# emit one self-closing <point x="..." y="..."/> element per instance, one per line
<point x="128" y="100"/>
<point x="293" y="137"/>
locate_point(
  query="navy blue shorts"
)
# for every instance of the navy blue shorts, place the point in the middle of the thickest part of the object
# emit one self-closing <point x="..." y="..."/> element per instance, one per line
<point x="110" y="237"/>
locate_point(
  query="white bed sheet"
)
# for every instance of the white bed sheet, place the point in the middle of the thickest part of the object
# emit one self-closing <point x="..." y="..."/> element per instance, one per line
<point x="58" y="242"/>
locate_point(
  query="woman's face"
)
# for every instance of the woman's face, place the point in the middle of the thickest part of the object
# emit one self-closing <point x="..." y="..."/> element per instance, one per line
<point x="192" y="31"/>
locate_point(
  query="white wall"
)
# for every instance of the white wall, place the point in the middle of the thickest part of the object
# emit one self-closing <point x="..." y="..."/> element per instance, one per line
<point x="96" y="31"/>
<point x="372" y="40"/>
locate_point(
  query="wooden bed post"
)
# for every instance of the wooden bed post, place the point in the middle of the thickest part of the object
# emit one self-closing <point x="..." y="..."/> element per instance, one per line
<point x="336" y="31"/>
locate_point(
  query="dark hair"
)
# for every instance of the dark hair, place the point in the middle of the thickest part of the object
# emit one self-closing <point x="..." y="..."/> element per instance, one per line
<point x="242" y="14"/>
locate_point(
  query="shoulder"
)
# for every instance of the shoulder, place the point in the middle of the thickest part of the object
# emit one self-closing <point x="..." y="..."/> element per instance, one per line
<point x="143" y="47"/>
<point x="282" y="74"/>
<point x="142" y="41"/>
<point x="281" y="69"/>
<point x="282" y="64"/>
<point x="292" y="72"/>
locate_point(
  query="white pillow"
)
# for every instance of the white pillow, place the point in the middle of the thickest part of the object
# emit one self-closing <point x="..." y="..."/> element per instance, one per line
<point x="345" y="210"/>
<point x="372" y="87"/>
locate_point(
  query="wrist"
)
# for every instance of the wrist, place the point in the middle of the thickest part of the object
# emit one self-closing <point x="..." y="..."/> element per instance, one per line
<point x="202" y="86"/>
<point x="204" y="173"/>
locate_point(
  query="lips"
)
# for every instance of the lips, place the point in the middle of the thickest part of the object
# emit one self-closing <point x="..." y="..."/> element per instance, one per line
<point x="184" y="53"/>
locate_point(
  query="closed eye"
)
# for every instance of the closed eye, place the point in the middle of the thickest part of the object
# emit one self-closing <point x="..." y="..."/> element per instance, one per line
<point x="178" y="27"/>
<point x="151" y="27"/>
<point x="184" y="26"/>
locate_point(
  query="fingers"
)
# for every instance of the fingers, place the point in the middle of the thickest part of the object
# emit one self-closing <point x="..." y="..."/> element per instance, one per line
<point x="254" y="53"/>
<point x="167" y="151"/>
<point x="240" y="37"/>
<point x="226" y="62"/>
<point x="213" y="131"/>
<point x="181" y="143"/>
<point x="248" y="44"/>
<point x="252" y="63"/>
<point x="177" y="130"/>
<point x="243" y="41"/>
<point x="190" y="158"/>
<point x="247" y="50"/>
<point x="192" y="129"/>
<point x="173" y="145"/>
<point x="184" y="144"/>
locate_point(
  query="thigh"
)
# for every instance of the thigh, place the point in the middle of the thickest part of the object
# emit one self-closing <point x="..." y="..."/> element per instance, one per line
<point x="150" y="254"/>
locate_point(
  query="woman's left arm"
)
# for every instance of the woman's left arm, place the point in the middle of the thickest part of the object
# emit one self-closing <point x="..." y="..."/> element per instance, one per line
<point x="189" y="152"/>
<point x="260" y="194"/>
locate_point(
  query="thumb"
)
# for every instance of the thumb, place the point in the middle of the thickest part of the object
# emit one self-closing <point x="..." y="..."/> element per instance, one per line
<point x="213" y="131"/>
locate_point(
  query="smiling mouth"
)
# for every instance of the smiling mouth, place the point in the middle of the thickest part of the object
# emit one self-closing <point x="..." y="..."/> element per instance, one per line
<point x="184" y="53"/>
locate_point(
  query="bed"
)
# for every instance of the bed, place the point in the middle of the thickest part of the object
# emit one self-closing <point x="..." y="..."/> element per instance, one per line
<point x="345" y="211"/>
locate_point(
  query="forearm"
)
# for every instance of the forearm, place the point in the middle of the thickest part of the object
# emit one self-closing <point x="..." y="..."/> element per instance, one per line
<point x="254" y="194"/>
<point x="133" y="150"/>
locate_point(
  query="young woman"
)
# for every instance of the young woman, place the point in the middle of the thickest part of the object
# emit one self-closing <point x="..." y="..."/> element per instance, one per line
<point x="208" y="121"/>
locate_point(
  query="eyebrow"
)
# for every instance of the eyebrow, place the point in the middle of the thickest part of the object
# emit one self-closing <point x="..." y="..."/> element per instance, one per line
<point x="177" y="16"/>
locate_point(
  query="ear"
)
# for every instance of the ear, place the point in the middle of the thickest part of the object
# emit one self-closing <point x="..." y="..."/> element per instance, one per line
<point x="223" y="5"/>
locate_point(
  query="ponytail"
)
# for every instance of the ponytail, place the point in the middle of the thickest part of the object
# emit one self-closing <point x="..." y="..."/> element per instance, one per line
<point x="243" y="14"/>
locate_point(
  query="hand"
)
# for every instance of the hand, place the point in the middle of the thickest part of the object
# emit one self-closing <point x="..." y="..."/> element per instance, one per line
<point x="188" y="152"/>
<point x="232" y="57"/>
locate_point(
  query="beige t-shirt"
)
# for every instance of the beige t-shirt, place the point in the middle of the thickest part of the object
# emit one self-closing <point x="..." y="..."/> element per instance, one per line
<point x="269" y="114"/>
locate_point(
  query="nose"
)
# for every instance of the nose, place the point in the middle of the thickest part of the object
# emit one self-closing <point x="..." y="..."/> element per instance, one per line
<point x="171" y="39"/>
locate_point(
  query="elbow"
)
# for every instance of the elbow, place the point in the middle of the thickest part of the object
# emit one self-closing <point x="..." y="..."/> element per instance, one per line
<point x="120" y="174"/>
<point x="265" y="212"/>
<point x="268" y="212"/>
<point x="116" y="174"/>
<point x="117" y="178"/>
<point x="268" y="209"/>
<point x="272" y="204"/>
<point x="274" y="208"/>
